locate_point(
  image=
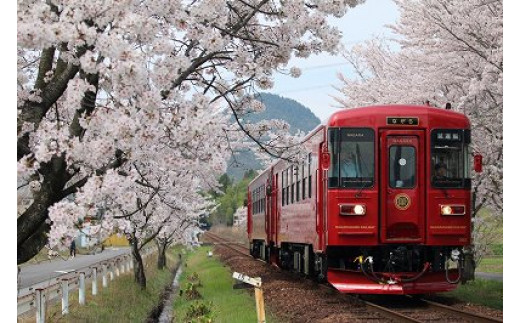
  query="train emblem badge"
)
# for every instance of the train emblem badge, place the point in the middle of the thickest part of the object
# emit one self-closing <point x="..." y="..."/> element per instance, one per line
<point x="402" y="201"/>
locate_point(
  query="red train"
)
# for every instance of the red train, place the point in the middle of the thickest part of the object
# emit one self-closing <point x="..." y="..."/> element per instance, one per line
<point x="379" y="205"/>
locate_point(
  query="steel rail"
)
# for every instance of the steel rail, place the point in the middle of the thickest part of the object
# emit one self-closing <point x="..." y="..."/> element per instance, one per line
<point x="228" y="243"/>
<point x="474" y="317"/>
<point x="391" y="314"/>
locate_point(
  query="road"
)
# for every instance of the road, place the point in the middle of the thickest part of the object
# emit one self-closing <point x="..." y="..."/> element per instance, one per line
<point x="46" y="273"/>
<point x="490" y="276"/>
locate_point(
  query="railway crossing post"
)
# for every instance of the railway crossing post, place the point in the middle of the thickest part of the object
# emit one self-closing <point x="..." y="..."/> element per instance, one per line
<point x="259" y="293"/>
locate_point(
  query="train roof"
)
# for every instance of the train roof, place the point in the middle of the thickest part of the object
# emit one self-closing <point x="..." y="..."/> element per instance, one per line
<point x="378" y="114"/>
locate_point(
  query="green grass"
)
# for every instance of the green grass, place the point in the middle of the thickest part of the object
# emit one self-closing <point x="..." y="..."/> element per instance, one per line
<point x="491" y="265"/>
<point x="484" y="292"/>
<point x="227" y="304"/>
<point x="123" y="300"/>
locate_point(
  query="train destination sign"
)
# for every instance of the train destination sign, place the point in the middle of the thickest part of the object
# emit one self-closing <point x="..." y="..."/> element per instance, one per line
<point x="402" y="121"/>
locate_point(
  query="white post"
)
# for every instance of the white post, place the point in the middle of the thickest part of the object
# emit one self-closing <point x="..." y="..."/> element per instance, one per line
<point x="128" y="261"/>
<point x="131" y="262"/>
<point x="117" y="268"/>
<point x="122" y="264"/>
<point x="64" y="296"/>
<point x="40" y="305"/>
<point x="81" y="288"/>
<point x="105" y="280"/>
<point x="111" y="272"/>
<point x="94" y="281"/>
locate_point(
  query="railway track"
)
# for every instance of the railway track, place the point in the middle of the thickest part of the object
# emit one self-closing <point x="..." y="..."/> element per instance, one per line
<point x="396" y="308"/>
<point x="229" y="244"/>
<point x="411" y="309"/>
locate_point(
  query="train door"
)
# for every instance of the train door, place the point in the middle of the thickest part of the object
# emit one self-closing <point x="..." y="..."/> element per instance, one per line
<point x="402" y="186"/>
<point x="321" y="199"/>
<point x="273" y="206"/>
<point x="267" y="210"/>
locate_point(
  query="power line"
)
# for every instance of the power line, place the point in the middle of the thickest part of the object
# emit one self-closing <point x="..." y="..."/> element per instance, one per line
<point x="323" y="66"/>
<point x="306" y="89"/>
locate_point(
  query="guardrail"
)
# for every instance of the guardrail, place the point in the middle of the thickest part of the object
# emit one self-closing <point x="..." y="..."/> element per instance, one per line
<point x="108" y="270"/>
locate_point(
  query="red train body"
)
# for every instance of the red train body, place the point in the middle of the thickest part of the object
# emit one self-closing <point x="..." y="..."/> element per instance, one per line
<point x="380" y="204"/>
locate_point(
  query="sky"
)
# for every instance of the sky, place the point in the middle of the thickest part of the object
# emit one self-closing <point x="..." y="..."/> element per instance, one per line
<point x="314" y="88"/>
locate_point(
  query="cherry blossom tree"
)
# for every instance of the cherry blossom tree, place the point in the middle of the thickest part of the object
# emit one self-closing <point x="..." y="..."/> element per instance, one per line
<point x="449" y="51"/>
<point x="109" y="91"/>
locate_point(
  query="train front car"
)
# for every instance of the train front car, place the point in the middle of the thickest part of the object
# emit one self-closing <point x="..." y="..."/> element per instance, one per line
<point x="397" y="209"/>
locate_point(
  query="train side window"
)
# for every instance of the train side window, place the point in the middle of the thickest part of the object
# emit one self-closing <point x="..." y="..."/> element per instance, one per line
<point x="310" y="175"/>
<point x="302" y="167"/>
<point x="310" y="186"/>
<point x="297" y="193"/>
<point x="287" y="187"/>
<point x="283" y="189"/>
<point x="304" y="180"/>
<point x="260" y="199"/>
<point x="263" y="198"/>
<point x="292" y="184"/>
<point x="254" y="201"/>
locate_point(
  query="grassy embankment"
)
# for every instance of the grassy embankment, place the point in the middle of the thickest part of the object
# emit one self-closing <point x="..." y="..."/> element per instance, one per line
<point x="483" y="292"/>
<point x="491" y="265"/>
<point x="123" y="300"/>
<point x="219" y="301"/>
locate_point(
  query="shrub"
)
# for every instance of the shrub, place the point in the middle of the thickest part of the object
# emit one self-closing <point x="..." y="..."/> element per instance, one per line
<point x="195" y="279"/>
<point x="191" y="292"/>
<point x="199" y="312"/>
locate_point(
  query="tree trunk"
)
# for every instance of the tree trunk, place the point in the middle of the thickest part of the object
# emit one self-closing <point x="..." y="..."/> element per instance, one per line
<point x="139" y="274"/>
<point x="32" y="225"/>
<point x="161" y="259"/>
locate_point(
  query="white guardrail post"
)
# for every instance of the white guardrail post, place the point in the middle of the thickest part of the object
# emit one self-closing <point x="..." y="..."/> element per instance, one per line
<point x="94" y="280"/>
<point x="40" y="305"/>
<point x="111" y="270"/>
<point x="81" y="288"/>
<point x="64" y="296"/>
<point x="116" y="267"/>
<point x="122" y="264"/>
<point x="128" y="260"/>
<point x="105" y="278"/>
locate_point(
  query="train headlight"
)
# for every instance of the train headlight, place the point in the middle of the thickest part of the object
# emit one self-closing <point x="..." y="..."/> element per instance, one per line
<point x="453" y="210"/>
<point x="352" y="209"/>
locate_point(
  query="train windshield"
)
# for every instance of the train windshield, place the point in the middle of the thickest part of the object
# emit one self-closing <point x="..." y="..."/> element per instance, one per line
<point x="450" y="158"/>
<point x="352" y="157"/>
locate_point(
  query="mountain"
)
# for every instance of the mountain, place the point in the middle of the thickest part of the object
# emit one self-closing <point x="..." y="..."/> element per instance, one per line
<point x="295" y="114"/>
